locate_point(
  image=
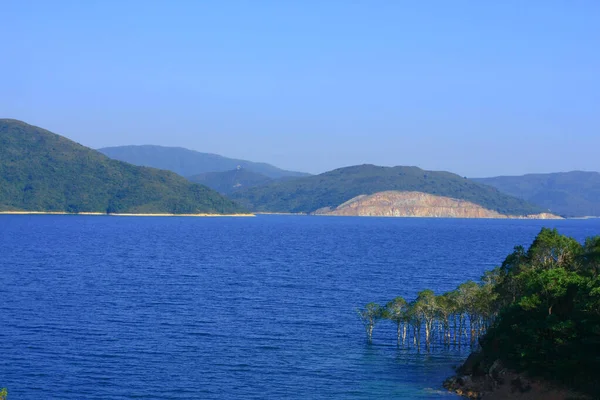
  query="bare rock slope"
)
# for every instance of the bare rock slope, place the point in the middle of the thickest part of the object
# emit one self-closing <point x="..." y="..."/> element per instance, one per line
<point x="416" y="204"/>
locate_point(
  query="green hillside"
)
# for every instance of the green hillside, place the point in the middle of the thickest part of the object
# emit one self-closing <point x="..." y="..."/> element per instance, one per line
<point x="335" y="187"/>
<point x="42" y="171"/>
<point x="571" y="194"/>
<point x="230" y="181"/>
<point x="187" y="162"/>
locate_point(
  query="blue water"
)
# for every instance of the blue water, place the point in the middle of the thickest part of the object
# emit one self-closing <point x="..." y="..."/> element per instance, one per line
<point x="219" y="308"/>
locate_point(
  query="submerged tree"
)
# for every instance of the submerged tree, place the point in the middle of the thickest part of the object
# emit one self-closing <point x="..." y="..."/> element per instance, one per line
<point x="445" y="309"/>
<point x="425" y="306"/>
<point x="395" y="311"/>
<point x="369" y="316"/>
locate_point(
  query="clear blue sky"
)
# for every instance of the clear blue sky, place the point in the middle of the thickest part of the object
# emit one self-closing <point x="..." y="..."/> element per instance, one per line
<point x="479" y="88"/>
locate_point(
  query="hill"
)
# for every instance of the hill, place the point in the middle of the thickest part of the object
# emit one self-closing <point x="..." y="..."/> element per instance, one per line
<point x="189" y="162"/>
<point x="230" y="181"/>
<point x="333" y="188"/>
<point x="571" y="194"/>
<point x="42" y="171"/>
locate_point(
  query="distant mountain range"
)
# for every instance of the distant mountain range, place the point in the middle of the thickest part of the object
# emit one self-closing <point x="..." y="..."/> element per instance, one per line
<point x="331" y="189"/>
<point x="42" y="171"/>
<point x="187" y="162"/>
<point x="571" y="194"/>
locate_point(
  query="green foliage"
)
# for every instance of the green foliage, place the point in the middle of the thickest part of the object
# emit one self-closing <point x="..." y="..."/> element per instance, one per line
<point x="338" y="186"/>
<point x="549" y="311"/>
<point x="550" y="249"/>
<point x="42" y="171"/>
<point x="189" y="162"/>
<point x="590" y="256"/>
<point x="426" y="304"/>
<point x="228" y="182"/>
<point x="539" y="312"/>
<point x="571" y="194"/>
<point x="395" y="309"/>
<point x="369" y="316"/>
<point x="3" y="394"/>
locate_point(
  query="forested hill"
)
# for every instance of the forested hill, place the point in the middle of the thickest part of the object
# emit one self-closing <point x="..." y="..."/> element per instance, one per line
<point x="571" y="194"/>
<point x="333" y="188"/>
<point x="228" y="182"/>
<point x="187" y="162"/>
<point x="42" y="171"/>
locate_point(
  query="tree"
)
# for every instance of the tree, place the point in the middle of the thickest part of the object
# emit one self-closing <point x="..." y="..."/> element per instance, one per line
<point x="445" y="308"/>
<point x="551" y="249"/>
<point x="590" y="257"/>
<point x="507" y="289"/>
<point x="415" y="320"/>
<point x="3" y="394"/>
<point x="369" y="316"/>
<point x="426" y="307"/>
<point x="487" y="299"/>
<point x="395" y="311"/>
<point x="468" y="293"/>
<point x="548" y="288"/>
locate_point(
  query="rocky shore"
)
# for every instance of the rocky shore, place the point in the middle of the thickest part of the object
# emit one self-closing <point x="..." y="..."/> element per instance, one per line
<point x="480" y="379"/>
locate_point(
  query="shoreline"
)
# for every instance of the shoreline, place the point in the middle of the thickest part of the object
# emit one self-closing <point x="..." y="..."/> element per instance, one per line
<point x="511" y="217"/>
<point x="122" y="214"/>
<point x="478" y="379"/>
<point x="435" y="217"/>
<point x="279" y="213"/>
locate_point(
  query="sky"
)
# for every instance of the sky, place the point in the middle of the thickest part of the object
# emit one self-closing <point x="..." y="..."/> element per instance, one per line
<point x="479" y="88"/>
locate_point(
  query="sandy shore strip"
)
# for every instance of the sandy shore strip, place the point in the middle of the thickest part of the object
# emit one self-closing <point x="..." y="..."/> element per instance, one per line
<point x="120" y="214"/>
<point x="279" y="213"/>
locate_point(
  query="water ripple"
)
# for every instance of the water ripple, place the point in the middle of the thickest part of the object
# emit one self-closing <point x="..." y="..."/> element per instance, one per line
<point x="257" y="308"/>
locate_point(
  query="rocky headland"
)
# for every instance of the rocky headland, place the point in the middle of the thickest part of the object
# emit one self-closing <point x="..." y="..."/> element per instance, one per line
<point x="479" y="378"/>
<point x="417" y="204"/>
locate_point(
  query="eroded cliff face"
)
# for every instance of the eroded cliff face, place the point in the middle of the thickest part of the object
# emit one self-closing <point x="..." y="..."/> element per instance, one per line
<point x="416" y="204"/>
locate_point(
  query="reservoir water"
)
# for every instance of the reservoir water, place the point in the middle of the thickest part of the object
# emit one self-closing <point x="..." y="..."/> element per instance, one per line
<point x="96" y="307"/>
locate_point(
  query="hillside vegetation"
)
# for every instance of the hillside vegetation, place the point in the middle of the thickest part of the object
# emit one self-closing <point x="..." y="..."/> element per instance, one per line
<point x="571" y="194"/>
<point x="547" y="300"/>
<point x="230" y="181"/>
<point x="187" y="162"/>
<point x="338" y="186"/>
<point x="42" y="171"/>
